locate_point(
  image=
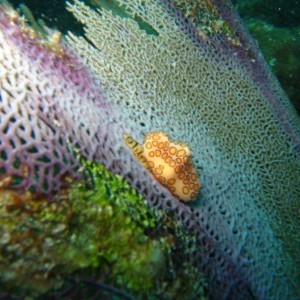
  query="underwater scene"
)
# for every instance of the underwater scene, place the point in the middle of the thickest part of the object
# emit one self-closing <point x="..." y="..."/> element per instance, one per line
<point x="150" y="149"/>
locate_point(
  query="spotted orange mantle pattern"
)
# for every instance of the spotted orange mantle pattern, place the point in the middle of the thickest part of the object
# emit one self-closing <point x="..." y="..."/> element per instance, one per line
<point x="169" y="162"/>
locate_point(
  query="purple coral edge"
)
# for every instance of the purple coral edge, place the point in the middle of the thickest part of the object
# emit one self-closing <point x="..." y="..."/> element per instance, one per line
<point x="65" y="66"/>
<point x="249" y="53"/>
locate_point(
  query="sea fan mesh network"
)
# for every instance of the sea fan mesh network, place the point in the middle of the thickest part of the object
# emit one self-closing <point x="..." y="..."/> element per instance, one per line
<point x="215" y="92"/>
<point x="197" y="91"/>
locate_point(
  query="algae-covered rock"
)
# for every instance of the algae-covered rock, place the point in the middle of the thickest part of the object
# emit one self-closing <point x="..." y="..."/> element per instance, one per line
<point x="99" y="227"/>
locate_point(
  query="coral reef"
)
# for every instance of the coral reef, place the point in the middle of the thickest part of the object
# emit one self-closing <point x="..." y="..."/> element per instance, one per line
<point x="140" y="68"/>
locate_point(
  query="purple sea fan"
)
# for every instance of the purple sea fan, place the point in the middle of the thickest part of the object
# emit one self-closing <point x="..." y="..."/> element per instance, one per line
<point x="53" y="113"/>
<point x="44" y="92"/>
<point x="195" y="87"/>
<point x="196" y="73"/>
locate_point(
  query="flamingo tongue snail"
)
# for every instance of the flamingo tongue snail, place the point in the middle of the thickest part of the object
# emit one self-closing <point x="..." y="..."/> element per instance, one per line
<point x="169" y="162"/>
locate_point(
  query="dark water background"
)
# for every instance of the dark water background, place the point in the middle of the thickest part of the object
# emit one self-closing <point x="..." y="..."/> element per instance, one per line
<point x="274" y="23"/>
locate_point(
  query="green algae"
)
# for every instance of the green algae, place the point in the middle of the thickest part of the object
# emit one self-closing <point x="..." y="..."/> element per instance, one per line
<point x="205" y="16"/>
<point x="121" y="216"/>
<point x="98" y="228"/>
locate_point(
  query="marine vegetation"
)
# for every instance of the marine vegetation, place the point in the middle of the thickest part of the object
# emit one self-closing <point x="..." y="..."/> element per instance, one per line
<point x="99" y="226"/>
<point x="69" y="104"/>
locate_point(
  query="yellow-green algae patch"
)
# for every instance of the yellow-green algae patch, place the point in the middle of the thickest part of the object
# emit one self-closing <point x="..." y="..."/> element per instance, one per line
<point x="100" y="229"/>
<point x="204" y="14"/>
